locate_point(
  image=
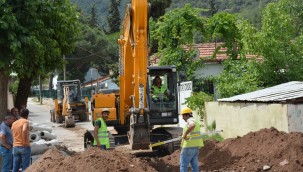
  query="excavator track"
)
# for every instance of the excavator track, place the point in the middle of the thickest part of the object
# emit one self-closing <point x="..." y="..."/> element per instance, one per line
<point x="166" y="133"/>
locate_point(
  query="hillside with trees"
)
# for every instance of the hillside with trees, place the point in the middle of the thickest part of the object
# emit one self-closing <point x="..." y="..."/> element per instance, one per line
<point x="249" y="9"/>
<point x="34" y="45"/>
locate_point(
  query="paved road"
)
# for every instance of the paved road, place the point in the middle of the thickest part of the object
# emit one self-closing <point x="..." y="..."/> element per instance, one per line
<point x="72" y="138"/>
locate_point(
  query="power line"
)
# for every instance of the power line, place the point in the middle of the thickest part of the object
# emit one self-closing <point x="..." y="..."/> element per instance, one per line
<point x="91" y="53"/>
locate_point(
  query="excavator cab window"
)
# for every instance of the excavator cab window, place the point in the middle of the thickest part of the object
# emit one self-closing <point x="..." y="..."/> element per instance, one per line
<point x="74" y="90"/>
<point x="162" y="93"/>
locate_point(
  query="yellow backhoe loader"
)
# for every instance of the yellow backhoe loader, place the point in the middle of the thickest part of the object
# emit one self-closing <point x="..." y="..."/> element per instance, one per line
<point x="69" y="105"/>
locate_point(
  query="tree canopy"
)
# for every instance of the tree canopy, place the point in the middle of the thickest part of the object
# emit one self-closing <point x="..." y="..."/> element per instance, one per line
<point x="279" y="42"/>
<point x="278" y="46"/>
<point x="38" y="40"/>
<point x="113" y="18"/>
<point x="173" y="31"/>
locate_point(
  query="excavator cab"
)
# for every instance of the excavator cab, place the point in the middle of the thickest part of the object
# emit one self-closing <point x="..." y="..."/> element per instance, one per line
<point x="162" y="95"/>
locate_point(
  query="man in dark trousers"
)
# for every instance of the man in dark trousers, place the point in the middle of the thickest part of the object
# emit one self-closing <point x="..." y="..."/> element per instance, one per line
<point x="191" y="142"/>
<point x="6" y="143"/>
<point x="101" y="138"/>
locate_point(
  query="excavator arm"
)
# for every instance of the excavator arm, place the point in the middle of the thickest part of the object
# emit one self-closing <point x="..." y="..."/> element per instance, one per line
<point x="133" y="73"/>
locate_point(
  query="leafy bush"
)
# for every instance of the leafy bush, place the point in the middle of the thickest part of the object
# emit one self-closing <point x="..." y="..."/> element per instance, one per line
<point x="197" y="102"/>
<point x="13" y="88"/>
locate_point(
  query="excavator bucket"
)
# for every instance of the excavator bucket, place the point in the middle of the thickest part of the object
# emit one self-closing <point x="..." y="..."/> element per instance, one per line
<point x="69" y="122"/>
<point x="139" y="133"/>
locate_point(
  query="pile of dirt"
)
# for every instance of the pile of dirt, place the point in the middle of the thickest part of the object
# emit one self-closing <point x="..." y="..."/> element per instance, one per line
<point x="267" y="149"/>
<point x="256" y="151"/>
<point x="92" y="160"/>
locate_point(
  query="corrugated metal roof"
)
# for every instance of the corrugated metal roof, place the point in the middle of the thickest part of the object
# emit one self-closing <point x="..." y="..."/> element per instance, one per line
<point x="291" y="91"/>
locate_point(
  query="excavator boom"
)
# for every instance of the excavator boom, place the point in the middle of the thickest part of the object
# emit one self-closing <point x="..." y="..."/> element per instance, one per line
<point x="133" y="110"/>
<point x="133" y="73"/>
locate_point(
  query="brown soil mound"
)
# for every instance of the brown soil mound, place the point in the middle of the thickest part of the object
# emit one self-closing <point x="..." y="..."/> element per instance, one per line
<point x="279" y="151"/>
<point x="91" y="160"/>
<point x="268" y="147"/>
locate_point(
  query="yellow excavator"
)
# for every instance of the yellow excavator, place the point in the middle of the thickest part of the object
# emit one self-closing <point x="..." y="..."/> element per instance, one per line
<point x="134" y="113"/>
<point x="69" y="104"/>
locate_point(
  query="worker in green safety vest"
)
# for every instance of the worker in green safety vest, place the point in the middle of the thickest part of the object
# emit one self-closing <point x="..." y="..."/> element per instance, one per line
<point x="101" y="138"/>
<point x="159" y="90"/>
<point x="190" y="142"/>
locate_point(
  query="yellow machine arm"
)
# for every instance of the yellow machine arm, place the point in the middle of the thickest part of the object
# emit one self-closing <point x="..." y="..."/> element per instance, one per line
<point x="133" y="65"/>
<point x="66" y="109"/>
<point x="65" y="103"/>
<point x="133" y="47"/>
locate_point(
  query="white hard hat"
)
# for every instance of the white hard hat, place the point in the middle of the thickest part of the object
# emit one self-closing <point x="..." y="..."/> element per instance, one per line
<point x="105" y="110"/>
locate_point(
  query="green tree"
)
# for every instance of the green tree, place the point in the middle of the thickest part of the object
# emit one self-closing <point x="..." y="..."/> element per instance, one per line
<point x="113" y="18"/>
<point x="238" y="77"/>
<point x="213" y="7"/>
<point x="224" y="26"/>
<point x="94" y="47"/>
<point x="175" y="30"/>
<point x="197" y="102"/>
<point x="8" y="44"/>
<point x="158" y="7"/>
<point x="47" y="31"/>
<point x="279" y="43"/>
<point x="93" y="22"/>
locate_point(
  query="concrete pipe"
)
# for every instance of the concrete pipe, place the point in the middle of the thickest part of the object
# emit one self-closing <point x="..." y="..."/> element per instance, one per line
<point x="40" y="128"/>
<point x="53" y="142"/>
<point x="34" y="136"/>
<point x="31" y="123"/>
<point x="37" y="149"/>
<point x="47" y="135"/>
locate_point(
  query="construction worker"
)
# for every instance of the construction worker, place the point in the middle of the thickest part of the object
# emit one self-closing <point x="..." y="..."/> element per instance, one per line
<point x="22" y="147"/>
<point x="6" y="143"/>
<point x="191" y="142"/>
<point x="158" y="90"/>
<point x="101" y="138"/>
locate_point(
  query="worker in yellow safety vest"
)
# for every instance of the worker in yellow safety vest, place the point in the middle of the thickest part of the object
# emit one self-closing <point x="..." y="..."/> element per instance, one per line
<point x="101" y="139"/>
<point x="190" y="142"/>
<point x="159" y="91"/>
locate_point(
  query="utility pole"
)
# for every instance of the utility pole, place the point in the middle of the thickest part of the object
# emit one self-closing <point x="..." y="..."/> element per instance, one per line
<point x="64" y="69"/>
<point x="40" y="90"/>
<point x="91" y="80"/>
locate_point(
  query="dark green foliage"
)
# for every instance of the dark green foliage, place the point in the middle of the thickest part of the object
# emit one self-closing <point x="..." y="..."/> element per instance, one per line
<point x="94" y="48"/>
<point x="203" y="84"/>
<point x="174" y="30"/>
<point x="102" y="9"/>
<point x="280" y="42"/>
<point x="213" y="7"/>
<point x="197" y="101"/>
<point x="38" y="34"/>
<point x="93" y="18"/>
<point x="224" y="26"/>
<point x="113" y="18"/>
<point x="249" y="9"/>
<point x="238" y="77"/>
<point x="158" y="8"/>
